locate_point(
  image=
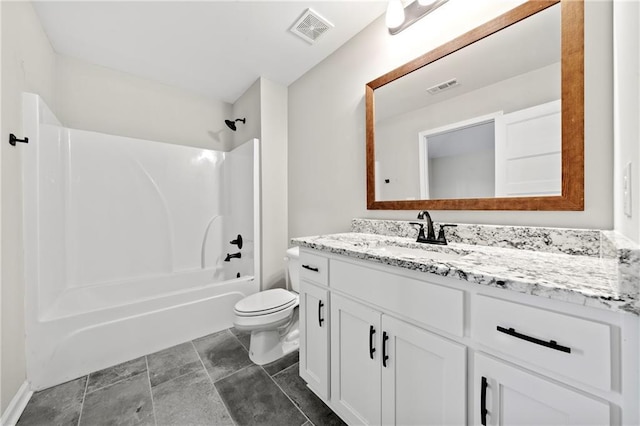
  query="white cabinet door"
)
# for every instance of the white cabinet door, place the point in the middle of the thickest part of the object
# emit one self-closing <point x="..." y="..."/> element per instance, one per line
<point x="423" y="377"/>
<point x="512" y="396"/>
<point x="314" y="337"/>
<point x="355" y="361"/>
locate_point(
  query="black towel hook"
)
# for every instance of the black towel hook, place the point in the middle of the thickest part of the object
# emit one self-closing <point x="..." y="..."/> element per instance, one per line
<point x="13" y="139"/>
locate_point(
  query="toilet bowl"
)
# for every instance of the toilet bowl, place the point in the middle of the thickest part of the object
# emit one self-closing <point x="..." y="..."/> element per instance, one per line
<point x="272" y="317"/>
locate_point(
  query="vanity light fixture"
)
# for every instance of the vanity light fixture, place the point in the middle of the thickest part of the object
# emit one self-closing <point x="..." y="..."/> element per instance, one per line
<point x="398" y="17"/>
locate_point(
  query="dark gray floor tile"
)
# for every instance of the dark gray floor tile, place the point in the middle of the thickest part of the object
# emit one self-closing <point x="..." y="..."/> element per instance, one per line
<point x="189" y="400"/>
<point x="282" y="363"/>
<point x="254" y="399"/>
<point x="114" y="374"/>
<point x="222" y="354"/>
<point x="59" y="405"/>
<point x="173" y="362"/>
<point x="243" y="336"/>
<point x="312" y="406"/>
<point x="127" y="402"/>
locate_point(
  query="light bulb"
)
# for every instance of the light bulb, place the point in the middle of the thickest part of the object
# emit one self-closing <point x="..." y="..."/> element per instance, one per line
<point x="395" y="14"/>
<point x="426" y="2"/>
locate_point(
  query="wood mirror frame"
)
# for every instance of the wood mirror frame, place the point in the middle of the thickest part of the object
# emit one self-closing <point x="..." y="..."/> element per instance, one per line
<point x="572" y="82"/>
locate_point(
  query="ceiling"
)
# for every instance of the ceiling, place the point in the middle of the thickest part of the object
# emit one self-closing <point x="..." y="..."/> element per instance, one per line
<point x="215" y="48"/>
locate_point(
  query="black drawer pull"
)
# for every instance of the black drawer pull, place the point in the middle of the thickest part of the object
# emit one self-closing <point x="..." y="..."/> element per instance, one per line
<point x="483" y="401"/>
<point x="550" y="344"/>
<point x="311" y="268"/>
<point x="320" y="319"/>
<point x="372" y="350"/>
<point x="385" y="357"/>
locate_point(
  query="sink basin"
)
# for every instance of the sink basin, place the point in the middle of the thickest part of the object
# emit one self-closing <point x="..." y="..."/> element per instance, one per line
<point x="419" y="253"/>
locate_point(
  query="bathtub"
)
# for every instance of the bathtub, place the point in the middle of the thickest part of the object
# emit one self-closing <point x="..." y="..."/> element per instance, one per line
<point x="123" y="328"/>
<point x="125" y="241"/>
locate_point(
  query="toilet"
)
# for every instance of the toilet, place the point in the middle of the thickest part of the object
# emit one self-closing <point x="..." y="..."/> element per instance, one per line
<point x="271" y="317"/>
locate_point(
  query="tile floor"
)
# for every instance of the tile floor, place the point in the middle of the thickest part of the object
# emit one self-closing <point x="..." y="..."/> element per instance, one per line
<point x="208" y="381"/>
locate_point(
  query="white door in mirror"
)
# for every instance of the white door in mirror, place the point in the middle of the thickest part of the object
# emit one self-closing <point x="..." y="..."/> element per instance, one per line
<point x="529" y="152"/>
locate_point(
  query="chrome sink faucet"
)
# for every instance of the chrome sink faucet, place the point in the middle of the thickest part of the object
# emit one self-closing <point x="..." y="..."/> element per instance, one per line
<point x="430" y="238"/>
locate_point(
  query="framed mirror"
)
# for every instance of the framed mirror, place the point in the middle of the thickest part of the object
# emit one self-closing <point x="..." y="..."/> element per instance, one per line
<point x="492" y="120"/>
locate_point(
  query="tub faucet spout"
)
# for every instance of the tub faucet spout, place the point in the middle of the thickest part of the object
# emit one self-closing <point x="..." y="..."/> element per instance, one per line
<point x="237" y="255"/>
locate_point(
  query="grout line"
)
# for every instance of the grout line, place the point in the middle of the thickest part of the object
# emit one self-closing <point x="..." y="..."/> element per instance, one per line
<point x="84" y="395"/>
<point x="288" y="397"/>
<point x="230" y="374"/>
<point x="238" y="339"/>
<point x="153" y="405"/>
<point x="296" y="364"/>
<point x="173" y="378"/>
<point x="114" y="383"/>
<point x="224" y="404"/>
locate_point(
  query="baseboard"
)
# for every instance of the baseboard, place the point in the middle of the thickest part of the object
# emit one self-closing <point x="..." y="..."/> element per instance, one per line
<point x="17" y="405"/>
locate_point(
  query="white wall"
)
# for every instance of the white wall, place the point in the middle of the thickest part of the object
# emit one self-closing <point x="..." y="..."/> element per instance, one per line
<point x="3" y="404"/>
<point x="28" y="64"/>
<point x="273" y="104"/>
<point x="327" y="176"/>
<point x="91" y="97"/>
<point x="463" y="176"/>
<point x="627" y="113"/>
<point x="247" y="106"/>
<point x="264" y="105"/>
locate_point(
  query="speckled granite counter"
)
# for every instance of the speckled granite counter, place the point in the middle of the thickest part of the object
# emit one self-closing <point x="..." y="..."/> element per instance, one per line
<point x="592" y="280"/>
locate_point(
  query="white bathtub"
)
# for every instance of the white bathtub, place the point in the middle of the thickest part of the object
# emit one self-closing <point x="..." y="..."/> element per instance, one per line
<point x="125" y="242"/>
<point x="128" y="327"/>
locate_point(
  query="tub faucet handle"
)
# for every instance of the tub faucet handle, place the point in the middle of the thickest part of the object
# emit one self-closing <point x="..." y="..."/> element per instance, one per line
<point x="237" y="241"/>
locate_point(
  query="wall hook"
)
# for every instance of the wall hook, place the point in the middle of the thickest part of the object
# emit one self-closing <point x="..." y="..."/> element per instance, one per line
<point x="13" y="139"/>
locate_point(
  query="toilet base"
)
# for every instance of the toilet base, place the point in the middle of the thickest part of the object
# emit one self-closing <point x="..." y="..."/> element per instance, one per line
<point x="269" y="345"/>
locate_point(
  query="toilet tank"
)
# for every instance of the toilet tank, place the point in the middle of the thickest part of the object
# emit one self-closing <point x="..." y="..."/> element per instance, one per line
<point x="293" y="265"/>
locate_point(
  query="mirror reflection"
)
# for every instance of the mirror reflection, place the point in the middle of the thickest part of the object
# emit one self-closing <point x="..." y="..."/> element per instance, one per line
<point x="482" y="122"/>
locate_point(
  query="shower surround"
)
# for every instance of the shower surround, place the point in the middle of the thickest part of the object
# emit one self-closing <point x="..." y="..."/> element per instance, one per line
<point x="125" y="241"/>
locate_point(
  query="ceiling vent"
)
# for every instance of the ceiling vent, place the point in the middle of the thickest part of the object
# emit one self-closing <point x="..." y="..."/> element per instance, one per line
<point x="443" y="86"/>
<point x="310" y="26"/>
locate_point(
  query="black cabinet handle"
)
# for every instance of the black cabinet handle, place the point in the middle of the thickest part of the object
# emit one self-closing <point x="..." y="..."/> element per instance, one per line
<point x="311" y="268"/>
<point x="320" y="319"/>
<point x="385" y="357"/>
<point x="550" y="344"/>
<point x="372" y="350"/>
<point x="483" y="401"/>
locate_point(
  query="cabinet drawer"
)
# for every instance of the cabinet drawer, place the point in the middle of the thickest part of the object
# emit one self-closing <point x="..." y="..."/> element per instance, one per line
<point x="430" y="304"/>
<point x="314" y="268"/>
<point x="572" y="347"/>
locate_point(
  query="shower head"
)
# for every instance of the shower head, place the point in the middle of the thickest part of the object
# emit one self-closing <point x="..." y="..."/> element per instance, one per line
<point x="232" y="124"/>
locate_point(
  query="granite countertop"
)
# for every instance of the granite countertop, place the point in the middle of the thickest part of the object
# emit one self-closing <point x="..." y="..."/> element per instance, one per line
<point x="585" y="280"/>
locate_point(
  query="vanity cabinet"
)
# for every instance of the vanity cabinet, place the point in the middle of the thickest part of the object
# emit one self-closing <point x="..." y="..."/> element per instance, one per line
<point x="509" y="395"/>
<point x="383" y="345"/>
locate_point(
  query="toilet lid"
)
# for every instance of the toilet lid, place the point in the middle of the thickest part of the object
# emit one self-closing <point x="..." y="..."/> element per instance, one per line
<point x="265" y="302"/>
